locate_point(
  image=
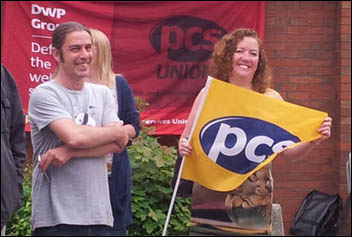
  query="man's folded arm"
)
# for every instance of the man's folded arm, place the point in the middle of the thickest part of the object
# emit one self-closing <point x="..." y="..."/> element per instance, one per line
<point x="82" y="136"/>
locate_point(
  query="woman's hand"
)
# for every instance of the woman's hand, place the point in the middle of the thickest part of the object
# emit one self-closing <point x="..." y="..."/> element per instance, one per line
<point x="324" y="130"/>
<point x="184" y="148"/>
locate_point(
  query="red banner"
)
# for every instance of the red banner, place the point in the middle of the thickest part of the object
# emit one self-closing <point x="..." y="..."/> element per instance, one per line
<point x="162" y="48"/>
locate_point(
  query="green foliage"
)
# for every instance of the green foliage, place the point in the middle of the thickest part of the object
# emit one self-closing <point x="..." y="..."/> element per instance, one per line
<point x="152" y="171"/>
<point x="19" y="224"/>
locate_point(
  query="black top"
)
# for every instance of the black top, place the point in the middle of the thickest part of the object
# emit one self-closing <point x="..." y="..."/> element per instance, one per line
<point x="120" y="181"/>
<point x="13" y="147"/>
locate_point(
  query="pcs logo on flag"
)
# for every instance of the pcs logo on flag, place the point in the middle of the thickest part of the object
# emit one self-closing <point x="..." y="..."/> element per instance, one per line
<point x="226" y="141"/>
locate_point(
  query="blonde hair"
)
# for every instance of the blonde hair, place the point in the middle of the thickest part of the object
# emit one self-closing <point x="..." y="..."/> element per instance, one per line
<point x="103" y="58"/>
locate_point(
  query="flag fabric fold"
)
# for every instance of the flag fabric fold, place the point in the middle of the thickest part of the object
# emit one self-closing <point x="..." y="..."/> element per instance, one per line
<point x="238" y="131"/>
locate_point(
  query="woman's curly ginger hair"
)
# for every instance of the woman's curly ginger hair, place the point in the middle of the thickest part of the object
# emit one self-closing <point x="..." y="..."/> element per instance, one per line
<point x="222" y="59"/>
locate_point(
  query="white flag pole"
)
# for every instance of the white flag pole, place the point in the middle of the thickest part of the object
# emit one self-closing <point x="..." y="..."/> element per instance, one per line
<point x="183" y="158"/>
<point x="173" y="197"/>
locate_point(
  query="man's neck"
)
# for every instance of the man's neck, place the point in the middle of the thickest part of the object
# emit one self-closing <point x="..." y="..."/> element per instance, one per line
<point x="92" y="77"/>
<point x="69" y="83"/>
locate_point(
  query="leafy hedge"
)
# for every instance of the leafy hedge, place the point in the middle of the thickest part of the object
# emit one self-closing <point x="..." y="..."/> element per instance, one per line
<point x="152" y="171"/>
<point x="19" y="224"/>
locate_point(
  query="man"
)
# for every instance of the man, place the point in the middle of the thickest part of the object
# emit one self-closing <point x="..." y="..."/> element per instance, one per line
<point x="13" y="148"/>
<point x="70" y="186"/>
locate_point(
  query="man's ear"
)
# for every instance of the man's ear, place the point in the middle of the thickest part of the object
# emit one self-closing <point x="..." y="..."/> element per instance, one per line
<point x="56" y="54"/>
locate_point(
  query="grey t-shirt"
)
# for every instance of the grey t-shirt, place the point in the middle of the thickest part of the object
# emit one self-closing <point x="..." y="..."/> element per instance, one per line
<point x="76" y="193"/>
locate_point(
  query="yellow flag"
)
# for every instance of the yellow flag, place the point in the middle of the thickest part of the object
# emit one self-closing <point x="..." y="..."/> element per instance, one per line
<point x="238" y="131"/>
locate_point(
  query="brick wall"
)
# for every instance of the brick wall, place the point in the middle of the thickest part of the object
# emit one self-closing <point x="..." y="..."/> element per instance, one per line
<point x="343" y="52"/>
<point x="343" y="84"/>
<point x="309" y="49"/>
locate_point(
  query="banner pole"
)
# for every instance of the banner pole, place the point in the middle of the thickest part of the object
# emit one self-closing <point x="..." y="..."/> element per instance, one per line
<point x="173" y="197"/>
<point x="183" y="158"/>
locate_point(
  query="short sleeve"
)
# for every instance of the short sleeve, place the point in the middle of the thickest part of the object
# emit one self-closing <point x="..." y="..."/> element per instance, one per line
<point x="45" y="107"/>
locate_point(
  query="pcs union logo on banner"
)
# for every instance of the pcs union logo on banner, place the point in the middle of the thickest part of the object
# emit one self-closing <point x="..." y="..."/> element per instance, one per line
<point x="186" y="38"/>
<point x="238" y="143"/>
<point x="187" y="43"/>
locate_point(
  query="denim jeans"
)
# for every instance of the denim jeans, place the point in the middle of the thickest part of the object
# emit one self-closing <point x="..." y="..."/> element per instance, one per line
<point x="73" y="230"/>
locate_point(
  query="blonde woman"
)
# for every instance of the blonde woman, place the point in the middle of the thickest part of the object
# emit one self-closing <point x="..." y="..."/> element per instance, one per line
<point x="119" y="172"/>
